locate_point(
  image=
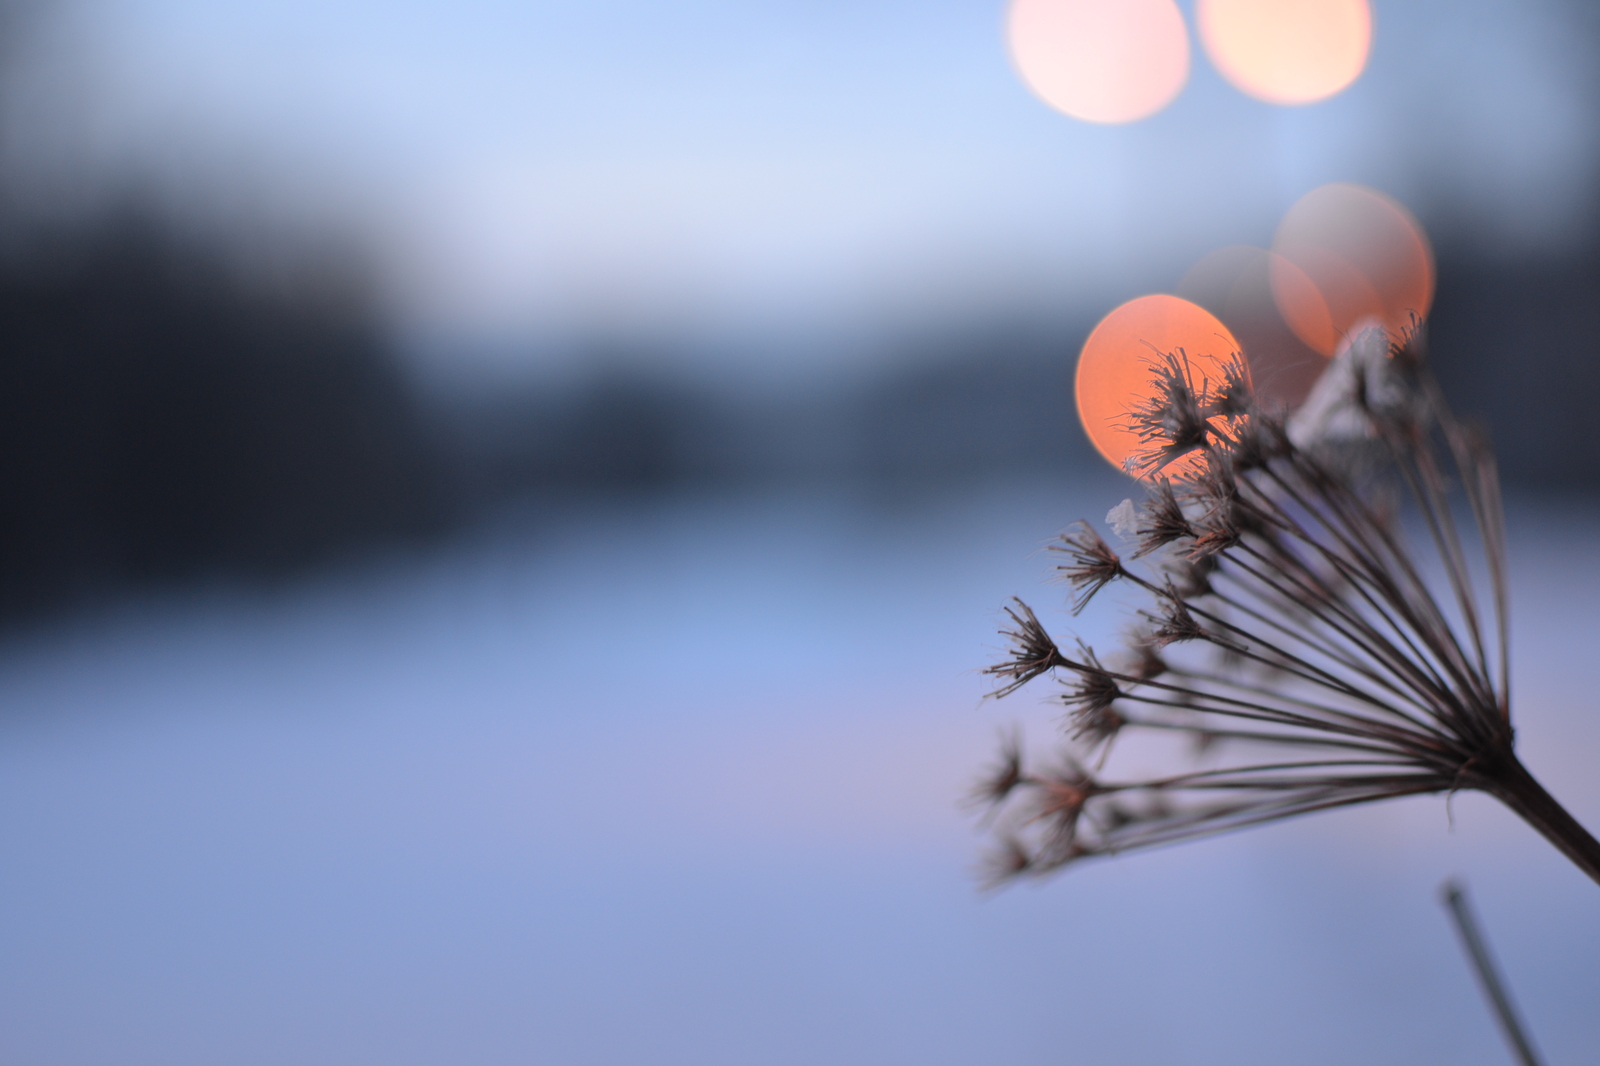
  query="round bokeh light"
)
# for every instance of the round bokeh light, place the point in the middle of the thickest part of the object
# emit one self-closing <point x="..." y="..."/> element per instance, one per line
<point x="1099" y="60"/>
<point x="1114" y="373"/>
<point x="1347" y="254"/>
<point x="1287" y="51"/>
<point x="1235" y="284"/>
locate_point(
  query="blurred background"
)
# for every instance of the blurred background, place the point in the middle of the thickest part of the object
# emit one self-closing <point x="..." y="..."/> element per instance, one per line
<point x="502" y="506"/>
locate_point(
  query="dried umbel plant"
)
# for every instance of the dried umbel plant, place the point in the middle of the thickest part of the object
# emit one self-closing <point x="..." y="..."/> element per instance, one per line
<point x="1317" y="658"/>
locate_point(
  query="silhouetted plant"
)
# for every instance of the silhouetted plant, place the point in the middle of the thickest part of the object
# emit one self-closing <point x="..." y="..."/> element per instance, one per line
<point x="1316" y="659"/>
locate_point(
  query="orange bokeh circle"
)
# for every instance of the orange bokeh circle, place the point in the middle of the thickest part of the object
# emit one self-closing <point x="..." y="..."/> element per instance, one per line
<point x="1099" y="61"/>
<point x="1236" y="284"/>
<point x="1348" y="254"/>
<point x="1287" y="51"/>
<point x="1114" y="371"/>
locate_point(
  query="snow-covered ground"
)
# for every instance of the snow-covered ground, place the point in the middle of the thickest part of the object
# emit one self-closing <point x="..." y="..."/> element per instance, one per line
<point x="679" y="784"/>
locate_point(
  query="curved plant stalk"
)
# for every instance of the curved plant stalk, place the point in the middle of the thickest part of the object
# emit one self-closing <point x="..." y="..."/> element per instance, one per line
<point x="1316" y="657"/>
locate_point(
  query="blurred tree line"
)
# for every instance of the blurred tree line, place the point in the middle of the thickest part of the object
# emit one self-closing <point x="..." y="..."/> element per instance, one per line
<point x="161" y="415"/>
<point x="165" y="416"/>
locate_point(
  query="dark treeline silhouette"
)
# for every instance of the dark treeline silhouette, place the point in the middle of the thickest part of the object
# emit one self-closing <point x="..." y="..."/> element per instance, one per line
<point x="1517" y="344"/>
<point x="976" y="403"/>
<point x="1514" y="342"/>
<point x="171" y="411"/>
<point x="161" y="416"/>
<point x="165" y="416"/>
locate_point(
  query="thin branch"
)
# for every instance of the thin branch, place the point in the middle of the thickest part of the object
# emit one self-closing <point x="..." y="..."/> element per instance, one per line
<point x="1454" y="896"/>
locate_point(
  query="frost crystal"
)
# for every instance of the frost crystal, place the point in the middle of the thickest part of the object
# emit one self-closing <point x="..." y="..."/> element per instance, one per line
<point x="1124" y="520"/>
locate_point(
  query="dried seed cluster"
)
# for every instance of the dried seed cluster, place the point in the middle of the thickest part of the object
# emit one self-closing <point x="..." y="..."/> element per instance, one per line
<point x="1290" y="631"/>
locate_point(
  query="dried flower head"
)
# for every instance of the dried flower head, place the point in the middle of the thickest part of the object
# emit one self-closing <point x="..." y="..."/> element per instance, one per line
<point x="1032" y="651"/>
<point x="1005" y="776"/>
<point x="1142" y="658"/>
<point x="1089" y="698"/>
<point x="1234" y="395"/>
<point x="1091" y="564"/>
<point x="1293" y="634"/>
<point x="1161" y="521"/>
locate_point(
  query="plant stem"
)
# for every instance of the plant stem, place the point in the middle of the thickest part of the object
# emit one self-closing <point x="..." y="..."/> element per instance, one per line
<point x="1514" y="786"/>
<point x="1455" y="899"/>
